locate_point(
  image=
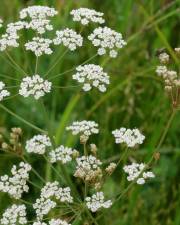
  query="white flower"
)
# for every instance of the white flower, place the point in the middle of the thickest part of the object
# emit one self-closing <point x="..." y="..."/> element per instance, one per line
<point x="35" y="86"/>
<point x="69" y="38"/>
<point x="44" y="204"/>
<point x="38" y="144"/>
<point x="3" y="93"/>
<point x="85" y="16"/>
<point x="16" y="185"/>
<point x="16" y="214"/>
<point x="84" y="128"/>
<point x="107" y="39"/>
<point x="96" y="201"/>
<point x="58" y="222"/>
<point x="128" y="136"/>
<point x="39" y="46"/>
<point x="135" y="171"/>
<point x="62" y="154"/>
<point x="161" y="70"/>
<point x="92" y="76"/>
<point x="39" y="18"/>
<point x="1" y="22"/>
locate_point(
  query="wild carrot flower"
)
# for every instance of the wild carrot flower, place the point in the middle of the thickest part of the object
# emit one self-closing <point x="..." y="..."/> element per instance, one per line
<point x="96" y="202"/>
<point x="35" y="86"/>
<point x="38" y="144"/>
<point x="135" y="171"/>
<point x="69" y="38"/>
<point x="3" y="93"/>
<point x="128" y="136"/>
<point x="91" y="76"/>
<point x="62" y="154"/>
<point x="85" y="16"/>
<point x="16" y="184"/>
<point x="107" y="39"/>
<point x="16" y="214"/>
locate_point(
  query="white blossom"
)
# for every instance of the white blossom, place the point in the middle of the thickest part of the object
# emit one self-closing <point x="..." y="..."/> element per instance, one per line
<point x="96" y="202"/>
<point x="3" y="93"/>
<point x="84" y="128"/>
<point x="1" y="22"/>
<point x="161" y="70"/>
<point x="85" y="16"/>
<point x="105" y="39"/>
<point x="136" y="172"/>
<point x="39" y="46"/>
<point x="16" y="214"/>
<point x="16" y="184"/>
<point x="38" y="144"/>
<point x="69" y="38"/>
<point x="35" y="86"/>
<point x="164" y="58"/>
<point x="44" y="204"/>
<point x="130" y="137"/>
<point x="92" y="76"/>
<point x="38" y="18"/>
<point x="58" y="222"/>
<point x="62" y="154"/>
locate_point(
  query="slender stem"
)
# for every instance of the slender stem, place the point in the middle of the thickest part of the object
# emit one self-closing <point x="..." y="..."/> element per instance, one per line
<point x="36" y="67"/>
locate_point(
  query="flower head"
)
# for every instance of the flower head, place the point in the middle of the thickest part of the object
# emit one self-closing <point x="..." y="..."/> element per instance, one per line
<point x="3" y="93"/>
<point x="38" y="144"/>
<point x="130" y="137"/>
<point x="16" y="214"/>
<point x="92" y="76"/>
<point x="69" y="38"/>
<point x="96" y="202"/>
<point x="35" y="86"/>
<point x="1" y="22"/>
<point x="85" y="16"/>
<point x="107" y="39"/>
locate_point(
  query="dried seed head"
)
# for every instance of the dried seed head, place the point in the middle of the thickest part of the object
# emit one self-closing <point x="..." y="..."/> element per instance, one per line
<point x="110" y="169"/>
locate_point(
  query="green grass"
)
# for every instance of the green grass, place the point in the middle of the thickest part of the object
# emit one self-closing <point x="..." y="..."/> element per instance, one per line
<point x="135" y="98"/>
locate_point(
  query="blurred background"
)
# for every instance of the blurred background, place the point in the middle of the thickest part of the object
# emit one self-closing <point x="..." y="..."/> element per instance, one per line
<point x="135" y="98"/>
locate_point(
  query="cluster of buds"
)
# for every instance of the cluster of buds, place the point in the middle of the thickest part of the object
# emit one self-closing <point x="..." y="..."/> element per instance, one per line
<point x="170" y="77"/>
<point x="14" y="145"/>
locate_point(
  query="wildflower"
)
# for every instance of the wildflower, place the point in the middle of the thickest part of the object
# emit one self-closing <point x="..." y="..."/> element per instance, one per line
<point x="135" y="172"/>
<point x="177" y="50"/>
<point x="69" y="38"/>
<point x="58" y="222"/>
<point x="16" y="185"/>
<point x="1" y="22"/>
<point x="164" y="58"/>
<point x="88" y="169"/>
<point x="85" y="16"/>
<point x="96" y="201"/>
<point x="16" y="214"/>
<point x="38" y="18"/>
<point x="110" y="169"/>
<point x="39" y="46"/>
<point x="62" y="154"/>
<point x="44" y="204"/>
<point x="128" y="136"/>
<point x="107" y="39"/>
<point x="3" y="93"/>
<point x="161" y="70"/>
<point x="92" y="76"/>
<point x="84" y="128"/>
<point x="35" y="86"/>
<point x="38" y="144"/>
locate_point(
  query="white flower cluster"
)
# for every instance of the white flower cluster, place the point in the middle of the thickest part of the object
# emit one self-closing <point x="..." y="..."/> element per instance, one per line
<point x="39" y="18"/>
<point x="84" y="128"/>
<point x="1" y="22"/>
<point x="69" y="38"/>
<point x="52" y="222"/>
<point x="130" y="137"/>
<point x="135" y="171"/>
<point x="44" y="204"/>
<point x="35" y="86"/>
<point x="16" y="184"/>
<point x="107" y="39"/>
<point x="9" y="39"/>
<point x="92" y="76"/>
<point x="96" y="202"/>
<point x="39" y="46"/>
<point x="85" y="16"/>
<point x="3" y="93"/>
<point x="16" y="214"/>
<point x="62" y="154"/>
<point x="164" y="58"/>
<point x="38" y="144"/>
